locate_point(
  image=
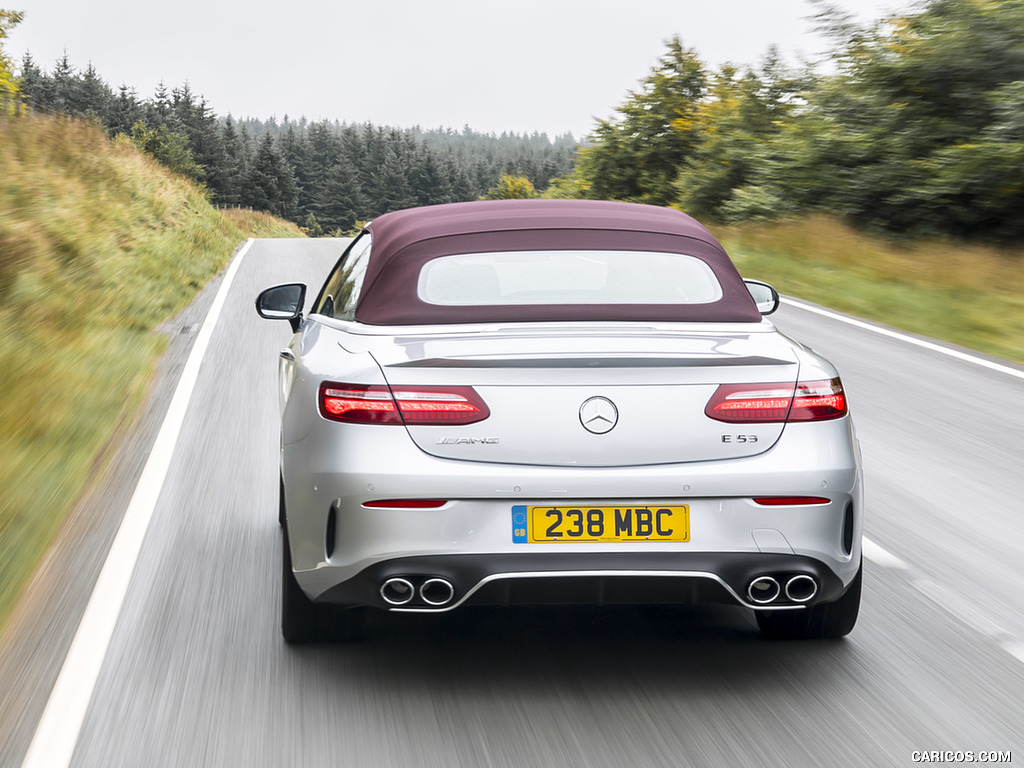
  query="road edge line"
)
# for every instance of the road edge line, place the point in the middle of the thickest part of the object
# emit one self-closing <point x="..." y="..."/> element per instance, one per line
<point x="882" y="557"/>
<point x="57" y="732"/>
<point x="929" y="345"/>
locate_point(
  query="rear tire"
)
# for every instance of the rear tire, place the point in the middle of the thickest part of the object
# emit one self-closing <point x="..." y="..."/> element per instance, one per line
<point x="826" y="621"/>
<point x="302" y="620"/>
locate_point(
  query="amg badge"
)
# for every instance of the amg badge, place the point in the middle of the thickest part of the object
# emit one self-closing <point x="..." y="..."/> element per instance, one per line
<point x="468" y="441"/>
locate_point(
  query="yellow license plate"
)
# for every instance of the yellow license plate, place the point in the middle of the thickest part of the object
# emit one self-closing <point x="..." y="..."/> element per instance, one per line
<point x="652" y="522"/>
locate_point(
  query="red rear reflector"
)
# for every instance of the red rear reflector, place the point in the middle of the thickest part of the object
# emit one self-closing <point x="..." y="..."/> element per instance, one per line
<point x="761" y="403"/>
<point x="790" y="501"/>
<point x="379" y="404"/>
<point x="406" y="504"/>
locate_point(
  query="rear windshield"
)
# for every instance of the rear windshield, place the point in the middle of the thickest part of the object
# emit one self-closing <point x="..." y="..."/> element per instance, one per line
<point x="567" y="277"/>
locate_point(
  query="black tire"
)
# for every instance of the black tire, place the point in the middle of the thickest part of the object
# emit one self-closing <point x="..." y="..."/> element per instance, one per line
<point x="302" y="620"/>
<point x="827" y="621"/>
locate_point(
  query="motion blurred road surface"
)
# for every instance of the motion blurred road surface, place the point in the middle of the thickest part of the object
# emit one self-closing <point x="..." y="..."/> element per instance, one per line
<point x="197" y="673"/>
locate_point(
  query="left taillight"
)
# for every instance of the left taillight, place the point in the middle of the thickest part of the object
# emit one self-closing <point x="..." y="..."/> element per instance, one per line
<point x="763" y="403"/>
<point x="379" y="404"/>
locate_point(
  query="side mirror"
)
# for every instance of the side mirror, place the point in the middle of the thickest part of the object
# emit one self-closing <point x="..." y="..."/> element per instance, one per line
<point x="282" y="302"/>
<point x="765" y="297"/>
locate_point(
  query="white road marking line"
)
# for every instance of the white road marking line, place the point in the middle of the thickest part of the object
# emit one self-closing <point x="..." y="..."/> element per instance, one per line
<point x="880" y="556"/>
<point x="57" y="733"/>
<point x="886" y="559"/>
<point x="1015" y="648"/>
<point x="954" y="603"/>
<point x="954" y="353"/>
<point x="949" y="601"/>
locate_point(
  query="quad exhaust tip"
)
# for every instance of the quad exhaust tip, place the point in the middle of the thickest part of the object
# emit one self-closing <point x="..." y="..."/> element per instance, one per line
<point x="766" y="589"/>
<point x="434" y="591"/>
<point x="801" y="588"/>
<point x="397" y="591"/>
<point x="763" y="590"/>
<point x="437" y="592"/>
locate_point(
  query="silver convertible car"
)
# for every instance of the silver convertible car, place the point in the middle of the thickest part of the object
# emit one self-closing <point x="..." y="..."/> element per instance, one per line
<point x="528" y="402"/>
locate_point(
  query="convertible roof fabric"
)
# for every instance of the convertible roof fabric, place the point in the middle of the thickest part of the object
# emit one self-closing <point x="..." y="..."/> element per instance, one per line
<point x="404" y="241"/>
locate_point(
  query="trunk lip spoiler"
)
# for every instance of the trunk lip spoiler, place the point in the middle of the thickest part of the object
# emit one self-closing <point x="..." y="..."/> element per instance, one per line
<point x="594" y="362"/>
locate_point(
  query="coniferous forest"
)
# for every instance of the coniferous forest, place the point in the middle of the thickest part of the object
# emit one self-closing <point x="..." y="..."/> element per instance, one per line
<point x="324" y="176"/>
<point x="913" y="128"/>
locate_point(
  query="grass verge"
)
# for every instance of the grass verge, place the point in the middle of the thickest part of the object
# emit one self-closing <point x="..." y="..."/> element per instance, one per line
<point x="969" y="295"/>
<point x="98" y="245"/>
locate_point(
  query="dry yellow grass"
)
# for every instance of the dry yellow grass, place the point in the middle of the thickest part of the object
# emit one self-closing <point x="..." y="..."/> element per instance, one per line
<point x="941" y="264"/>
<point x="967" y="294"/>
<point x="260" y="224"/>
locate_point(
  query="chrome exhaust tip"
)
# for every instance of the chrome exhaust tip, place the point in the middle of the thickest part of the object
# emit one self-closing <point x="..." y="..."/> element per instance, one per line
<point x="437" y="591"/>
<point x="397" y="591"/>
<point x="763" y="590"/>
<point x="801" y="588"/>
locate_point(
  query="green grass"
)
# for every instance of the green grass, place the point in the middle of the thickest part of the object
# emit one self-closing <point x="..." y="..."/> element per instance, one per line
<point x="969" y="295"/>
<point x="98" y="245"/>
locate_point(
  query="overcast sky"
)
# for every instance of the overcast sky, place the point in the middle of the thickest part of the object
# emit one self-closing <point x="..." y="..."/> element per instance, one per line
<point x="529" y="65"/>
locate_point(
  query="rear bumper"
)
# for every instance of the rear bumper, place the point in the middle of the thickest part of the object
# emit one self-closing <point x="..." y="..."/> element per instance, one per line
<point x="588" y="579"/>
<point x="342" y="551"/>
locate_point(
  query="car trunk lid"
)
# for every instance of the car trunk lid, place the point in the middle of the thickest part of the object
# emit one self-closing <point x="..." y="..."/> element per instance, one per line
<point x="602" y="399"/>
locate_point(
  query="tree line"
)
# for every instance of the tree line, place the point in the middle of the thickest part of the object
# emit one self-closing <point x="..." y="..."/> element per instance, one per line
<point x="326" y="176"/>
<point x="915" y="128"/>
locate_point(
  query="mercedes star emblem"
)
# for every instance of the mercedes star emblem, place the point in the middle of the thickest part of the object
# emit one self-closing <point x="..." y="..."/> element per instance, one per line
<point x="599" y="415"/>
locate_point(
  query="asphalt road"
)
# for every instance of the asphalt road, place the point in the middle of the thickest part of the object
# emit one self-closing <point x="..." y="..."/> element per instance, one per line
<point x="196" y="673"/>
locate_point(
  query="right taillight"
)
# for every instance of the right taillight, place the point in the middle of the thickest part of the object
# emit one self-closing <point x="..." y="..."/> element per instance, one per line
<point x="379" y="404"/>
<point x="818" y="401"/>
<point x="763" y="403"/>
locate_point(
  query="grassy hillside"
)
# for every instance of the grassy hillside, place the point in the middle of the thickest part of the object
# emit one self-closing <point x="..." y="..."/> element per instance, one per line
<point x="98" y="245"/>
<point x="970" y="295"/>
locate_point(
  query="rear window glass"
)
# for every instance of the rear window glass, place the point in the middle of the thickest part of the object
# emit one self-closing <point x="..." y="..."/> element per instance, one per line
<point x="567" y="277"/>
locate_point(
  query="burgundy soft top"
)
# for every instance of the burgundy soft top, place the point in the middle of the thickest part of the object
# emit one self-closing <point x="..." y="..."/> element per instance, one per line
<point x="404" y="241"/>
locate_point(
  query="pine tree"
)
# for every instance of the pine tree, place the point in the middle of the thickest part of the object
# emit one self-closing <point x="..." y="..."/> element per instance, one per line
<point x="203" y="130"/>
<point x="431" y="180"/>
<point x="31" y="80"/>
<point x="93" y="96"/>
<point x="270" y="185"/>
<point x="125" y="111"/>
<point x="260" y="190"/>
<point x="61" y="96"/>
<point x="236" y="163"/>
<point x="159" y="110"/>
<point x="295" y="154"/>
<point x="339" y="201"/>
